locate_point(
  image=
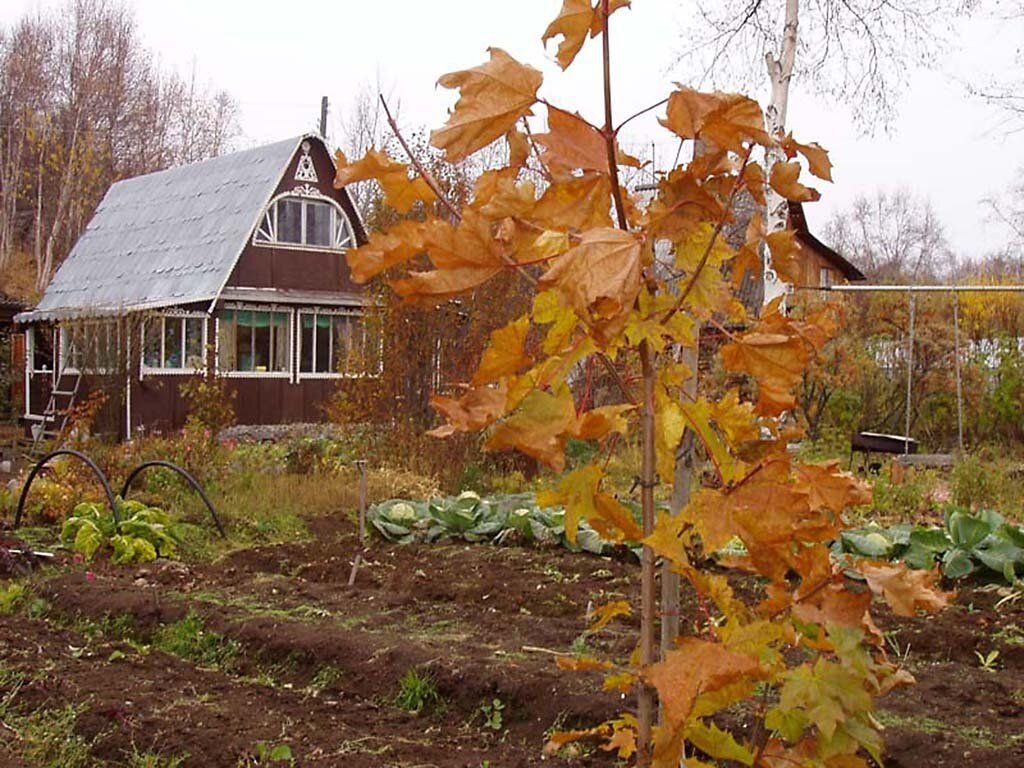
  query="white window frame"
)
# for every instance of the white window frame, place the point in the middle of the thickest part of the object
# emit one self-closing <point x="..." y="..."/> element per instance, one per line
<point x="289" y="334"/>
<point x="824" y="277"/>
<point x="356" y="312"/>
<point x="63" y="342"/>
<point x="147" y="370"/>
<point x="265" y="234"/>
<point x="30" y="353"/>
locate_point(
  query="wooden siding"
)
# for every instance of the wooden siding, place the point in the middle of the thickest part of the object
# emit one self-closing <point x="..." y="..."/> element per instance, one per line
<point x="262" y="266"/>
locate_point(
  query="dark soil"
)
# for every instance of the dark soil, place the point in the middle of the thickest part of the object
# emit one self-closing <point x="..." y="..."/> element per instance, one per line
<point x="316" y="665"/>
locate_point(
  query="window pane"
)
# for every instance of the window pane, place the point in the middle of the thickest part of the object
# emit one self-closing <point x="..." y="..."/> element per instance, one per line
<point x="344" y="350"/>
<point x="306" y="344"/>
<point x="227" y="338"/>
<point x="152" y="334"/>
<point x="195" y="354"/>
<point x="261" y="341"/>
<point x="289" y="221"/>
<point x="323" y="344"/>
<point x="280" y="348"/>
<point x="42" y="348"/>
<point x="318" y="224"/>
<point x="172" y="342"/>
<point x="244" y="347"/>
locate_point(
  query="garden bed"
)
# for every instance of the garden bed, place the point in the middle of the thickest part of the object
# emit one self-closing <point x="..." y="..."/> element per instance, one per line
<point x="271" y="647"/>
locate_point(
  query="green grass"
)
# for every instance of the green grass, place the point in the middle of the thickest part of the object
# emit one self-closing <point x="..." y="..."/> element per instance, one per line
<point x="417" y="692"/>
<point x="190" y="640"/>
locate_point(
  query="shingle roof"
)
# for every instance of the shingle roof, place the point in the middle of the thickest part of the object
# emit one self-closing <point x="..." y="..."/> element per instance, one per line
<point x="167" y="238"/>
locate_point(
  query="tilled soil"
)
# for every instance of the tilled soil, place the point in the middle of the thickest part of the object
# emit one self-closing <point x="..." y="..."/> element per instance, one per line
<point x="316" y="664"/>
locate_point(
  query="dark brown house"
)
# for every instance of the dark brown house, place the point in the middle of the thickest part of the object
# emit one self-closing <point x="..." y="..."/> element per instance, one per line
<point x="235" y="266"/>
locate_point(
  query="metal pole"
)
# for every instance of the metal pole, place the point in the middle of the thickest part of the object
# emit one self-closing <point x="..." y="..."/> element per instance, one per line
<point x="910" y="375"/>
<point x="959" y="383"/>
<point x="361" y="464"/>
<point x="864" y="288"/>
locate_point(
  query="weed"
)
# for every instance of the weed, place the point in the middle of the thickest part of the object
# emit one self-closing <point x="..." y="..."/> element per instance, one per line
<point x="417" y="692"/>
<point x="988" y="661"/>
<point x="326" y="677"/>
<point x="49" y="740"/>
<point x="10" y="597"/>
<point x="492" y="714"/>
<point x="266" y="753"/>
<point x="154" y="760"/>
<point x="190" y="640"/>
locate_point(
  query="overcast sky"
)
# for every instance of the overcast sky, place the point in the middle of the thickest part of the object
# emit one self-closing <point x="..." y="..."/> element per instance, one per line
<point x="277" y="59"/>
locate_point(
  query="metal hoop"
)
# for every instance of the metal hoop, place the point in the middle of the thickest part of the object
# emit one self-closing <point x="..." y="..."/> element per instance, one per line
<point x="66" y="452"/>
<point x="183" y="473"/>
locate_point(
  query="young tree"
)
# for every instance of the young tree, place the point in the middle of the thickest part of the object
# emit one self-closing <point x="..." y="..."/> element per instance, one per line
<point x="584" y="248"/>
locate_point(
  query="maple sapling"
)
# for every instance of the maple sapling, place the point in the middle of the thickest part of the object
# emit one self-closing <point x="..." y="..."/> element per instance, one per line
<point x="799" y="649"/>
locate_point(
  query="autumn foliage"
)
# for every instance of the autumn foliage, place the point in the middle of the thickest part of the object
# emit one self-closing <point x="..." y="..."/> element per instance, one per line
<point x="797" y="644"/>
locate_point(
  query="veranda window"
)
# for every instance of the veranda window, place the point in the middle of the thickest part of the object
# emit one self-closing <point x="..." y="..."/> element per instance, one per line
<point x="174" y="343"/>
<point x="93" y="346"/>
<point x="253" y="341"/>
<point x="40" y="348"/>
<point x="303" y="221"/>
<point x="338" y="343"/>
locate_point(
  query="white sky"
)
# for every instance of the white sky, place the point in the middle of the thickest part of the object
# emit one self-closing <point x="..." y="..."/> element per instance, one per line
<point x="277" y="60"/>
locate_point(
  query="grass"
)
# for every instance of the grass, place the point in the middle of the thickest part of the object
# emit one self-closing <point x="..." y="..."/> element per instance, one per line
<point x="417" y="692"/>
<point x="45" y="738"/>
<point x="190" y="640"/>
<point x="154" y="760"/>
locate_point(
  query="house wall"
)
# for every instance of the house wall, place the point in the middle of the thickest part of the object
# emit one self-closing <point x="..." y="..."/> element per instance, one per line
<point x="262" y="266"/>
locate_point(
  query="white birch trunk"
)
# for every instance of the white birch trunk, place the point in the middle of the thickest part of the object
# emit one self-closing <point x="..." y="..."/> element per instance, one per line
<point x="780" y="73"/>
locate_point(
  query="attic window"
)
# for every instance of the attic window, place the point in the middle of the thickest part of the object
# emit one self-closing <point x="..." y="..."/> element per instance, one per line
<point x="305" y="222"/>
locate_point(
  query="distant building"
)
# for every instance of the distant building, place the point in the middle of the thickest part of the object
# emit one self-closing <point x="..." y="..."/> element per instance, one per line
<point x="233" y="265"/>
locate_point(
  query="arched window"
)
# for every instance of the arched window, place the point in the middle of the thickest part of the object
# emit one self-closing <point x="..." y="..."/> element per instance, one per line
<point x="305" y="221"/>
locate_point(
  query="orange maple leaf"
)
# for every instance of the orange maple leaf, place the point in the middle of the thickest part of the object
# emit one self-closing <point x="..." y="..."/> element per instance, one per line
<point x="505" y="355"/>
<point x="492" y="97"/>
<point x="600" y="276"/>
<point x="783" y="180"/>
<point x="905" y="590"/>
<point x="400" y="192"/>
<point x="574" y="21"/>
<point x="815" y="155"/>
<point x="477" y="408"/>
<point x="385" y="249"/>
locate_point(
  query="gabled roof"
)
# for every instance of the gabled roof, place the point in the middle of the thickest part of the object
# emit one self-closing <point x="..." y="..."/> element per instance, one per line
<point x="167" y="238"/>
<point x="798" y="221"/>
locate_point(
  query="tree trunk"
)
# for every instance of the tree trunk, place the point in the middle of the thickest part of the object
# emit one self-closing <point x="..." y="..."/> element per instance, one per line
<point x="780" y="73"/>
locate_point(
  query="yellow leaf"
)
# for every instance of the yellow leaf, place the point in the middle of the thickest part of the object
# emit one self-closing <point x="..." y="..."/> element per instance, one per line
<point x="539" y="428"/>
<point x="505" y="355"/>
<point x="736" y="420"/>
<point x="492" y="97"/>
<point x="576" y="204"/>
<point x="582" y="663"/>
<point x="699" y="666"/>
<point x="775" y="360"/>
<point x="698" y="417"/>
<point x="575" y="492"/>
<point x="599" y="277"/>
<point x="603" y="614"/>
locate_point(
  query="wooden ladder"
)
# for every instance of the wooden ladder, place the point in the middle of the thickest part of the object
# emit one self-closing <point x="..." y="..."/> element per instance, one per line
<point x="55" y="416"/>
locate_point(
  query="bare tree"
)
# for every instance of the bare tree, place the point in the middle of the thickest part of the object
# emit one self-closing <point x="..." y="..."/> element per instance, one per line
<point x="858" y="52"/>
<point x="892" y="237"/>
<point x="82" y="105"/>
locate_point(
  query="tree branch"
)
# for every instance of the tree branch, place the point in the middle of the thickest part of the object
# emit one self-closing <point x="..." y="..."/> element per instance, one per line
<point x="423" y="172"/>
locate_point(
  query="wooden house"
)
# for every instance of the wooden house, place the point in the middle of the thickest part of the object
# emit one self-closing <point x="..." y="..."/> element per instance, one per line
<point x="234" y="266"/>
